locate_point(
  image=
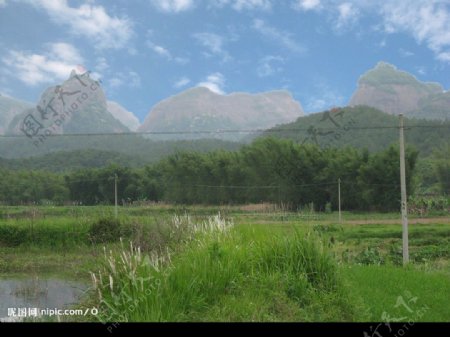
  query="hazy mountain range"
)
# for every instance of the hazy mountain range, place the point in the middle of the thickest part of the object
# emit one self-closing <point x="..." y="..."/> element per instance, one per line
<point x="79" y="105"/>
<point x="9" y="108"/>
<point x="199" y="109"/>
<point x="394" y="91"/>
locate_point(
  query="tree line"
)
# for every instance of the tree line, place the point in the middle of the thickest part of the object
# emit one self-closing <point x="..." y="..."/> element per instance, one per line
<point x="268" y="170"/>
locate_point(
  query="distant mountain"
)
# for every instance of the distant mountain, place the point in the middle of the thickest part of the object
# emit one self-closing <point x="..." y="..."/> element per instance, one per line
<point x="199" y="109"/>
<point x="363" y="127"/>
<point x="64" y="161"/>
<point x="394" y="91"/>
<point x="143" y="150"/>
<point x="78" y="105"/>
<point x="435" y="106"/>
<point x="124" y="116"/>
<point x="9" y="108"/>
<point x="78" y="109"/>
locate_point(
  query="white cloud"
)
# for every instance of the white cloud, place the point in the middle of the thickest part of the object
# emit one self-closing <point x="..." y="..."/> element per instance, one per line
<point x="421" y="70"/>
<point x="129" y="79"/>
<point x="95" y="76"/>
<point x="159" y="50"/>
<point x="348" y="15"/>
<point x="214" y="82"/>
<point x="182" y="82"/>
<point x="101" y="65"/>
<point x="251" y="4"/>
<point x="116" y="82"/>
<point x="444" y="56"/>
<point x="66" y="52"/>
<point x="134" y="79"/>
<point x="428" y="21"/>
<point x="269" y="65"/>
<point x="214" y="43"/>
<point x="307" y="5"/>
<point x="240" y="5"/>
<point x="181" y="60"/>
<point x="281" y="37"/>
<point x="33" y="69"/>
<point x="405" y="53"/>
<point x="2" y="3"/>
<point x="164" y="52"/>
<point x="321" y="103"/>
<point x="324" y="97"/>
<point x="173" y="6"/>
<point x="132" y="51"/>
<point x="92" y="22"/>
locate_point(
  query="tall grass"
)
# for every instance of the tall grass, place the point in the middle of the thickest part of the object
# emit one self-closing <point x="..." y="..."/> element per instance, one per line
<point x="54" y="233"/>
<point x="223" y="273"/>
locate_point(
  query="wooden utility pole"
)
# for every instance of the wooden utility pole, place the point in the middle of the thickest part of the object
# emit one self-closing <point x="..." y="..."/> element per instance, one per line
<point x="403" y="192"/>
<point x="339" y="199"/>
<point x="115" y="195"/>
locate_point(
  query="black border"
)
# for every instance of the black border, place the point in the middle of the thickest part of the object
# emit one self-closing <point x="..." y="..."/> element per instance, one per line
<point x="119" y="329"/>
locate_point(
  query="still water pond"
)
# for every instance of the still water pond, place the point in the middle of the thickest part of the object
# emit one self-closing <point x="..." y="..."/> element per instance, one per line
<point x="50" y="293"/>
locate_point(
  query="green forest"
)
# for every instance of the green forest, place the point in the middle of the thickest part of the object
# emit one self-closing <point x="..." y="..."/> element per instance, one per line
<point x="268" y="170"/>
<point x="297" y="165"/>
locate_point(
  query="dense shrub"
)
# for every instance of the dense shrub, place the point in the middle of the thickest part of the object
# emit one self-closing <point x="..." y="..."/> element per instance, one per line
<point x="106" y="230"/>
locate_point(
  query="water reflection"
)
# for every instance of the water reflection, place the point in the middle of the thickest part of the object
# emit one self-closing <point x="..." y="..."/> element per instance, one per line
<point x="37" y="293"/>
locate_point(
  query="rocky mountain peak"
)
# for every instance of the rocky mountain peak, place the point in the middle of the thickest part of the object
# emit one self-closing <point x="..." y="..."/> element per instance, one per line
<point x="394" y="91"/>
<point x="78" y="105"/>
<point x="200" y="109"/>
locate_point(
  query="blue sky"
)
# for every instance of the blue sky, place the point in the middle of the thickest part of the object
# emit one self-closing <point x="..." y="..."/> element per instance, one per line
<point x="147" y="50"/>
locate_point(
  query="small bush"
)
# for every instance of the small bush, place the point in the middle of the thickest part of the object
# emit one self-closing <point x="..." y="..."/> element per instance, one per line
<point x="11" y="236"/>
<point x="396" y="255"/>
<point x="437" y="205"/>
<point x="368" y="256"/>
<point x="432" y="252"/>
<point x="106" y="230"/>
<point x="327" y="228"/>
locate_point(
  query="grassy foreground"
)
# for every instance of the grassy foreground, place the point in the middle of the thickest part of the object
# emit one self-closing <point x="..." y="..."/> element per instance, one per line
<point x="253" y="273"/>
<point x="268" y="266"/>
<point x="225" y="274"/>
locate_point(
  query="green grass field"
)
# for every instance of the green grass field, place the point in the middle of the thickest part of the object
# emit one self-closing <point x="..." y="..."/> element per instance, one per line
<point x="271" y="265"/>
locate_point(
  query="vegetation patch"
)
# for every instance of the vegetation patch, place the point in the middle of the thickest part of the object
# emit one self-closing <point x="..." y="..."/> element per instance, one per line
<point x="106" y="230"/>
<point x="224" y="274"/>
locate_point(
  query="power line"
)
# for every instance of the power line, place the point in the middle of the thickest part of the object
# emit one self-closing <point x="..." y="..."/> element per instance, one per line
<point x="367" y="184"/>
<point x="260" y="186"/>
<point x="225" y="131"/>
<point x="109" y="179"/>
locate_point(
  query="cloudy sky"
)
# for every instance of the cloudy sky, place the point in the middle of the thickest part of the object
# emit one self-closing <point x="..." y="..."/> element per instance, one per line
<point x="147" y="50"/>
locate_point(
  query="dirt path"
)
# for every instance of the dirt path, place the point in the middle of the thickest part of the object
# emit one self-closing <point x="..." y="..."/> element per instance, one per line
<point x="398" y="221"/>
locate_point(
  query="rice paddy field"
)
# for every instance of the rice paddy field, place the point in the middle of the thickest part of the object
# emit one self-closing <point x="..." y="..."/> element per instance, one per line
<point x="253" y="263"/>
